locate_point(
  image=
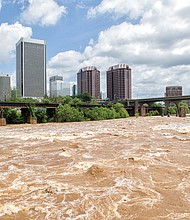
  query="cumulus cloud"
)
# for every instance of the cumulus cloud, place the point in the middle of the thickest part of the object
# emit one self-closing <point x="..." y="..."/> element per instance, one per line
<point x="9" y="36"/>
<point x="43" y="12"/>
<point x="133" y="9"/>
<point x="65" y="64"/>
<point x="157" y="47"/>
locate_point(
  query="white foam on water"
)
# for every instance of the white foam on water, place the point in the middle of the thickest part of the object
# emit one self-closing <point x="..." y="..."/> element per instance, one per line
<point x="84" y="165"/>
<point x="180" y="127"/>
<point x="87" y="155"/>
<point x="65" y="154"/>
<point x="9" y="209"/>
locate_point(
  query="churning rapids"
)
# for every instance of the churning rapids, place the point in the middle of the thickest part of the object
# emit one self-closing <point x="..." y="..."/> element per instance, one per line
<point x="134" y="168"/>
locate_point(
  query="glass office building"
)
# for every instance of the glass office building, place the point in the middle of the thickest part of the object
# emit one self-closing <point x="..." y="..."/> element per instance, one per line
<point x="31" y="67"/>
<point x="56" y="85"/>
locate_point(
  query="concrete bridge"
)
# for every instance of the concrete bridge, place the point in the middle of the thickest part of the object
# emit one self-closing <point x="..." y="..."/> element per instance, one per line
<point x="133" y="106"/>
<point x="140" y="103"/>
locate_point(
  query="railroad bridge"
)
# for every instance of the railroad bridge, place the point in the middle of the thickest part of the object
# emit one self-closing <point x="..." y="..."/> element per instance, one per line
<point x="133" y="106"/>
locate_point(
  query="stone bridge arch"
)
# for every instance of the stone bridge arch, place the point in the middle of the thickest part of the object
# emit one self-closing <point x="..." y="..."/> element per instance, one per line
<point x="176" y="102"/>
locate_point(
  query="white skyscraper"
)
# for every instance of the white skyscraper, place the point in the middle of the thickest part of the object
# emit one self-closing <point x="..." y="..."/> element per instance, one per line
<point x="56" y="85"/>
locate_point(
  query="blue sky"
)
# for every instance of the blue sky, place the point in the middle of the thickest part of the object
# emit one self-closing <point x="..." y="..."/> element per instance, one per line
<point x="151" y="36"/>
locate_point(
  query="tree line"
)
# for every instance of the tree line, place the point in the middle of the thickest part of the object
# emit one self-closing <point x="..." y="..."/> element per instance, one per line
<point x="68" y="110"/>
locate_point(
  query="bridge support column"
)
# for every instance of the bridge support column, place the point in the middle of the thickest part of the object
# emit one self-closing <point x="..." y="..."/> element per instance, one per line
<point x="143" y="111"/>
<point x="182" y="112"/>
<point x="31" y="120"/>
<point x="2" y="119"/>
<point x="178" y="108"/>
<point x="136" y="107"/>
<point x="27" y="117"/>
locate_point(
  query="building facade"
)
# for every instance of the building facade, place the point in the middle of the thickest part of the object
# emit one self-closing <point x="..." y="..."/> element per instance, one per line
<point x="119" y="85"/>
<point x="172" y="91"/>
<point x="74" y="90"/>
<point x="56" y="85"/>
<point x="60" y="88"/>
<point x="5" y="87"/>
<point x="31" y="67"/>
<point x="88" y="81"/>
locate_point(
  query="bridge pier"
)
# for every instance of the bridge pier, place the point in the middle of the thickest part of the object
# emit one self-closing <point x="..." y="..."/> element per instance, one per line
<point x="27" y="116"/>
<point x="136" y="107"/>
<point x="143" y="111"/>
<point x="2" y="119"/>
<point x="182" y="112"/>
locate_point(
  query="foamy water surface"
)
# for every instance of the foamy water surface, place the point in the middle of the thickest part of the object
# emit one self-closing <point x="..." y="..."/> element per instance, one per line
<point x="134" y="168"/>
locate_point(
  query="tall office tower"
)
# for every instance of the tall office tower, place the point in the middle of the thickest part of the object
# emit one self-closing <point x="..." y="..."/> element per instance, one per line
<point x="88" y="81"/>
<point x="74" y="89"/>
<point x="56" y="85"/>
<point x="5" y="87"/>
<point x="173" y="91"/>
<point x="119" y="82"/>
<point x="31" y="67"/>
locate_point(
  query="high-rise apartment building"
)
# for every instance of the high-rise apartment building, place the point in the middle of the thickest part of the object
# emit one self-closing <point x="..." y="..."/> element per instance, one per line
<point x="172" y="91"/>
<point x="119" y="84"/>
<point x="5" y="87"/>
<point x="88" y="81"/>
<point x="31" y="67"/>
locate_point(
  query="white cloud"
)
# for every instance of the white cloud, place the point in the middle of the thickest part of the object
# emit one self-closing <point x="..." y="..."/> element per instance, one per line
<point x="65" y="64"/>
<point x="0" y="4"/>
<point x="9" y="35"/>
<point x="43" y="12"/>
<point x="157" y="47"/>
<point x="133" y="9"/>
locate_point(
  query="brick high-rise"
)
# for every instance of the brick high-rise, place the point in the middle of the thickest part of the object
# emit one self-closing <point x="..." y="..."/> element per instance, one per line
<point x="173" y="91"/>
<point x="88" y="81"/>
<point x="119" y="82"/>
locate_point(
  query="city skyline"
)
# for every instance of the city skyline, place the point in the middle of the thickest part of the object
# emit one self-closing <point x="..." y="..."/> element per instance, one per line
<point x="152" y="37"/>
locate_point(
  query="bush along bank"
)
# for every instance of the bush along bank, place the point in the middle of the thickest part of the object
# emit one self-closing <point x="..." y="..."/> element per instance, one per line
<point x="67" y="113"/>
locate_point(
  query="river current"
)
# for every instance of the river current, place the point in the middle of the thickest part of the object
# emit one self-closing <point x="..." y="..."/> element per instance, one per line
<point x="133" y="168"/>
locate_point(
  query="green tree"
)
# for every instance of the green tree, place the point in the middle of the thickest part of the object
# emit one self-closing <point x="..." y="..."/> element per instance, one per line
<point x="85" y="97"/>
<point x="185" y="106"/>
<point x="13" y="116"/>
<point x="172" y="110"/>
<point x="76" y="101"/>
<point x="121" y="112"/>
<point x="41" y="115"/>
<point x="66" y="113"/>
<point x="153" y="113"/>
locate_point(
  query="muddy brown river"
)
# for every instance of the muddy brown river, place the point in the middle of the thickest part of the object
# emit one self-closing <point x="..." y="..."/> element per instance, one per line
<point x="134" y="168"/>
